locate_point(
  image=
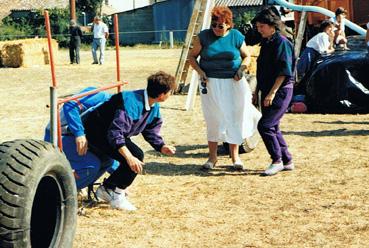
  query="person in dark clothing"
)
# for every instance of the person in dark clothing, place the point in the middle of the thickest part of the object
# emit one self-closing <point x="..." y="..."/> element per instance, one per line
<point x="109" y="129"/>
<point x="275" y="78"/>
<point x="75" y="42"/>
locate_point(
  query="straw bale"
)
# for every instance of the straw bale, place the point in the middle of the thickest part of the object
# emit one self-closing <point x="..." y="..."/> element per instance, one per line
<point x="254" y="50"/>
<point x="25" y="53"/>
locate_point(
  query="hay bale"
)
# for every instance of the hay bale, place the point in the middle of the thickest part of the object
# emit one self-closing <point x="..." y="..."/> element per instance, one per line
<point x="27" y="52"/>
<point x="254" y="50"/>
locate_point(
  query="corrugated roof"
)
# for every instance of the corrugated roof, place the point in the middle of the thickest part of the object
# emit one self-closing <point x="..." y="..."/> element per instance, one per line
<point x="233" y="3"/>
<point x="7" y="5"/>
<point x="39" y="4"/>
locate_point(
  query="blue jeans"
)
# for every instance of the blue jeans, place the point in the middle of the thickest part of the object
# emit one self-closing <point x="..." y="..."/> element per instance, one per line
<point x="98" y="44"/>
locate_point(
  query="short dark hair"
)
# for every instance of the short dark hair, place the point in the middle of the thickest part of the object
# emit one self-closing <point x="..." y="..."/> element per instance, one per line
<point x="340" y="11"/>
<point x="325" y="24"/>
<point x="159" y="83"/>
<point x="269" y="17"/>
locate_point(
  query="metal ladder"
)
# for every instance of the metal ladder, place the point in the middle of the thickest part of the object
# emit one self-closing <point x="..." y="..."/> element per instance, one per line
<point x="194" y="27"/>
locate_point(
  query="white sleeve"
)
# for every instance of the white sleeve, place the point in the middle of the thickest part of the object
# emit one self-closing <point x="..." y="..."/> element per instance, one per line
<point x="322" y="43"/>
<point x="106" y="30"/>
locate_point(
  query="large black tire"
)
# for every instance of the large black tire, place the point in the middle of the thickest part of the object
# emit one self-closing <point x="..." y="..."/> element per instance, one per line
<point x="38" y="196"/>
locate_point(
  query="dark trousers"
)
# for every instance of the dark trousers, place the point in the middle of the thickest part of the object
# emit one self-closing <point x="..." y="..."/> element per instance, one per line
<point x="123" y="176"/>
<point x="74" y="48"/>
<point x="307" y="61"/>
<point x="268" y="126"/>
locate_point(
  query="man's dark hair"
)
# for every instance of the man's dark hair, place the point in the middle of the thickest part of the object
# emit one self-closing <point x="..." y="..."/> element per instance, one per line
<point x="159" y="83"/>
<point x="324" y="25"/>
<point x="340" y="10"/>
<point x="269" y="17"/>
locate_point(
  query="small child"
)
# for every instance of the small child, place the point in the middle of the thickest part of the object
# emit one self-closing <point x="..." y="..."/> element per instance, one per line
<point x="339" y="30"/>
<point x="316" y="46"/>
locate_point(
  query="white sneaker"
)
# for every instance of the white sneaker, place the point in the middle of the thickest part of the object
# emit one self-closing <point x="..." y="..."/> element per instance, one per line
<point x="104" y="194"/>
<point x="116" y="198"/>
<point x="273" y="169"/>
<point x="289" y="167"/>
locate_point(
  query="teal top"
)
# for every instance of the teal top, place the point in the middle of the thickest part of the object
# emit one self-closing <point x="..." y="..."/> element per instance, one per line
<point x="220" y="56"/>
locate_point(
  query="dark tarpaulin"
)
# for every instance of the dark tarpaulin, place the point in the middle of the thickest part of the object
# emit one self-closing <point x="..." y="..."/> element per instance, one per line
<point x="339" y="83"/>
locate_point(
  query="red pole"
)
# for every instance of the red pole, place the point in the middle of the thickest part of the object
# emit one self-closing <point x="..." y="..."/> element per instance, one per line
<point x="48" y="32"/>
<point x="72" y="98"/>
<point x="55" y="126"/>
<point x="72" y="5"/>
<point x="116" y="34"/>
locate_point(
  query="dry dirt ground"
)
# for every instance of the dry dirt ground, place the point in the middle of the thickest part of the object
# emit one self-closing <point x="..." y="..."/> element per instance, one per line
<point x="323" y="203"/>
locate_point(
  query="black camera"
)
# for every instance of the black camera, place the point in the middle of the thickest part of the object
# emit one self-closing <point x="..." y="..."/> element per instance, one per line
<point x="204" y="90"/>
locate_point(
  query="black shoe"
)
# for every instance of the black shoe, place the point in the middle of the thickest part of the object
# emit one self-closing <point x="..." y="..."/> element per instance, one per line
<point x="94" y="63"/>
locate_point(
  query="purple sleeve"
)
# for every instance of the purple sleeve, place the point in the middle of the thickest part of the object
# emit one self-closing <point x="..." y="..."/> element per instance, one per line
<point x="151" y="134"/>
<point x="118" y="129"/>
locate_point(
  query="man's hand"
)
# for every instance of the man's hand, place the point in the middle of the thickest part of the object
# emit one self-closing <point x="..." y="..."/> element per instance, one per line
<point x="168" y="150"/>
<point x="135" y="164"/>
<point x="82" y="144"/>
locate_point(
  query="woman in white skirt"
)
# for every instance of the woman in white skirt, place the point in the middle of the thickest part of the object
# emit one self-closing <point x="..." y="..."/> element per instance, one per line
<point x="225" y="94"/>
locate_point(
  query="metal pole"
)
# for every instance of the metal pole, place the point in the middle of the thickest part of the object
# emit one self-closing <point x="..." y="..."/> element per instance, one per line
<point x="53" y="117"/>
<point x="84" y="18"/>
<point x="53" y="97"/>
<point x="116" y="34"/>
<point x="171" y="40"/>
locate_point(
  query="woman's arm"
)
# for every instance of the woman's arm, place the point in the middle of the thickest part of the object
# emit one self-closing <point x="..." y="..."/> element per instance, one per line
<point x="192" y="58"/>
<point x="269" y="98"/>
<point x="246" y="60"/>
<point x="367" y="33"/>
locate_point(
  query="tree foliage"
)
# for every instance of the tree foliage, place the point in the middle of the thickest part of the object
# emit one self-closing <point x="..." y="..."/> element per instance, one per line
<point x="89" y="6"/>
<point x="32" y="24"/>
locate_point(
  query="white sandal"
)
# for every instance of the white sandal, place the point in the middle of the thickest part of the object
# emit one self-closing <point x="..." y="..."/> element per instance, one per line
<point x="209" y="165"/>
<point x="238" y="165"/>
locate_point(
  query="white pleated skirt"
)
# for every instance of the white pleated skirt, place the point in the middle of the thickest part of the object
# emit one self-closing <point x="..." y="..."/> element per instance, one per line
<point x="229" y="113"/>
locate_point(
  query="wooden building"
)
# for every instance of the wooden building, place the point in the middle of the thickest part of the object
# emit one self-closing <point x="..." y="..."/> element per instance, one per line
<point x="358" y="10"/>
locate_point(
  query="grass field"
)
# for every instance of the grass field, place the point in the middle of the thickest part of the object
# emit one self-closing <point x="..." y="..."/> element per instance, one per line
<point x="323" y="203"/>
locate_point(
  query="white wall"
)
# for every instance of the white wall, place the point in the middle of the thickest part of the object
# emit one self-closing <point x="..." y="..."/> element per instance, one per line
<point x="125" y="5"/>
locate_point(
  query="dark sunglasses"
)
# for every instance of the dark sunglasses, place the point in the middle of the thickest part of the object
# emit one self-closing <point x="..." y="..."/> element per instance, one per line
<point x="216" y="25"/>
<point x="204" y="90"/>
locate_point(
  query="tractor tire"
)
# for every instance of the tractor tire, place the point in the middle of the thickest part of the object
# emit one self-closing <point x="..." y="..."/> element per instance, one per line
<point x="38" y="196"/>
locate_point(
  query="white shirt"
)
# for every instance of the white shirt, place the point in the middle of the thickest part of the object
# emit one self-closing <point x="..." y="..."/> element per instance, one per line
<point x="147" y="105"/>
<point x="319" y="42"/>
<point x="100" y="30"/>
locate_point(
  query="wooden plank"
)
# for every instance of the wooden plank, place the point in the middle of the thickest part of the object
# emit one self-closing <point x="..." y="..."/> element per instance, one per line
<point x="191" y="30"/>
<point x="300" y="33"/>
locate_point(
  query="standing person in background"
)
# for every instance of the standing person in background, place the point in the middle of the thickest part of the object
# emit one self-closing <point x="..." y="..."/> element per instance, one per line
<point x="101" y="33"/>
<point x="75" y="42"/>
<point x="318" y="45"/>
<point x="339" y="31"/>
<point x="226" y="96"/>
<point x="275" y="79"/>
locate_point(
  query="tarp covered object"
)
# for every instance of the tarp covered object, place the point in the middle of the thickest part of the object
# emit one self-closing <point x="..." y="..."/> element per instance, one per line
<point x="339" y="84"/>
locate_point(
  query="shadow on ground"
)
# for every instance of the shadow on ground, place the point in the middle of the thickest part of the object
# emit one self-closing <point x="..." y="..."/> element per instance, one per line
<point x="338" y="132"/>
<point x="167" y="169"/>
